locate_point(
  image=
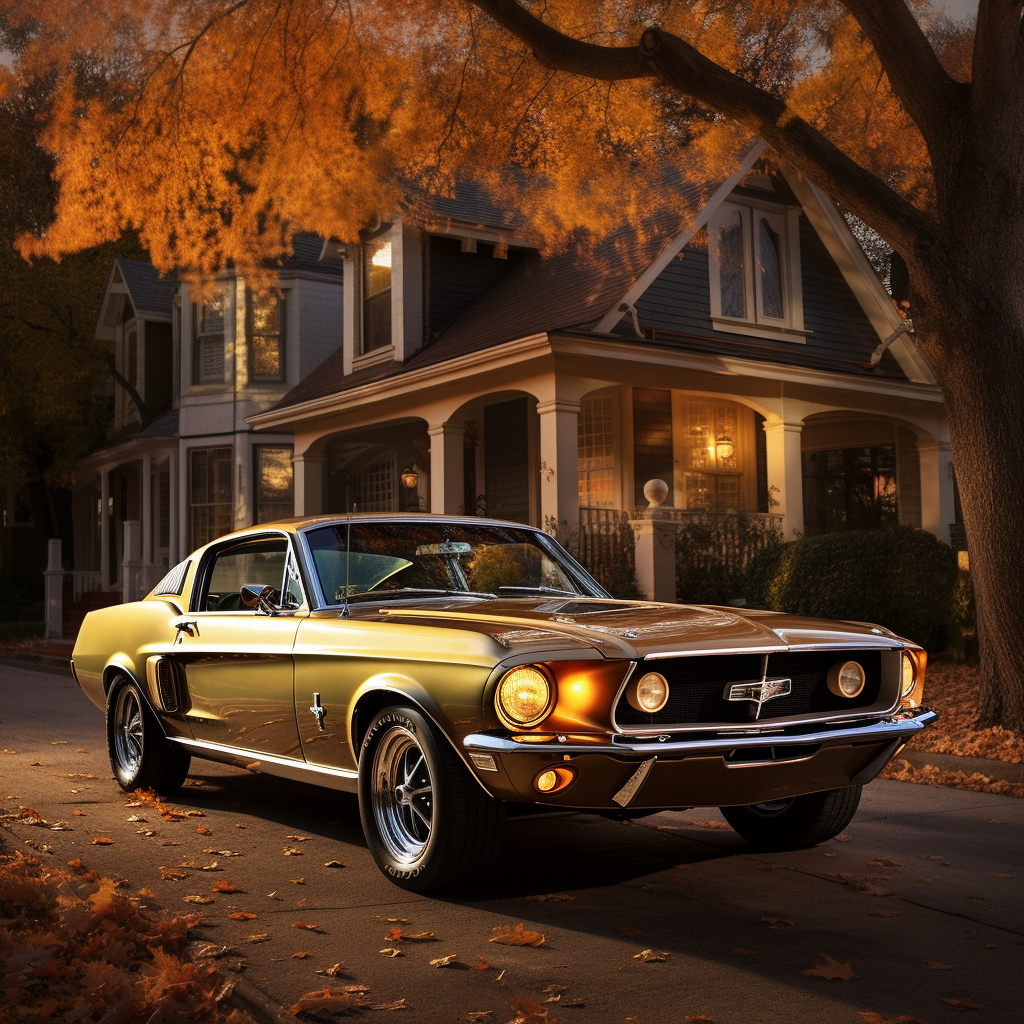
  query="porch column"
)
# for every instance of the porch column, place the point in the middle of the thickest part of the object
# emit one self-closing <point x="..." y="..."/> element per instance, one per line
<point x="131" y="584"/>
<point x="146" y="486"/>
<point x="53" y="580"/>
<point x="308" y="480"/>
<point x="447" y="480"/>
<point x="785" y="473"/>
<point x="559" y="466"/>
<point x="172" y="496"/>
<point x="105" y="530"/>
<point x="937" y="509"/>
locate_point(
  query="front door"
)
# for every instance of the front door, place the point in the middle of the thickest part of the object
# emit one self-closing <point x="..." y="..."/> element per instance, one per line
<point x="237" y="662"/>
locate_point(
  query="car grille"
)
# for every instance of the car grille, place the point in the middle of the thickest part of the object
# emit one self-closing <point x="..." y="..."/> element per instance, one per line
<point x="697" y="687"/>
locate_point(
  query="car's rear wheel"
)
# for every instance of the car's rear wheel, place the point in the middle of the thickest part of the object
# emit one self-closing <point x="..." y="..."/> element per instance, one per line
<point x="427" y="821"/>
<point x="140" y="754"/>
<point x="797" y="822"/>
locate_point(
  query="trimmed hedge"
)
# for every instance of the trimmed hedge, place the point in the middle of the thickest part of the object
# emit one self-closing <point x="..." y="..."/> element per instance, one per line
<point x="901" y="578"/>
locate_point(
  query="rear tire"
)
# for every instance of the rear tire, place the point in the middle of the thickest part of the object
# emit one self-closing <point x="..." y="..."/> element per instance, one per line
<point x="140" y="754"/>
<point x="798" y="822"/>
<point x="427" y="821"/>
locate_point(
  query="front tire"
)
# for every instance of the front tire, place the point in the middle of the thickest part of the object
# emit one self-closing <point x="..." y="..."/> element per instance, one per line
<point x="426" y="820"/>
<point x="140" y="754"/>
<point x="798" y="822"/>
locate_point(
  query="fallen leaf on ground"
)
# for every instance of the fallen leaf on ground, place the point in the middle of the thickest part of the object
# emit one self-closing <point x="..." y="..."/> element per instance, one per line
<point x="392" y="920"/>
<point x="102" y="841"/>
<point x="870" y="1017"/>
<point x="136" y="817"/>
<point x="934" y="965"/>
<point x="171" y="875"/>
<point x="740" y="951"/>
<point x="575" y="1001"/>
<point x="298" y="881"/>
<point x="515" y="935"/>
<point x="390" y="951"/>
<point x="528" y="1012"/>
<point x="553" y="897"/>
<point x="203" y="831"/>
<point x="993" y="821"/>
<point x="444" y="961"/>
<point x="709" y="824"/>
<point x="398" y="1004"/>
<point x="397" y="935"/>
<point x="224" y="886"/>
<point x="963" y="1004"/>
<point x="223" y="853"/>
<point x="884" y="862"/>
<point x="474" y="1017"/>
<point x="148" y="893"/>
<point x="258" y="938"/>
<point x="844" y="838"/>
<point x="929" y="856"/>
<point x="197" y="899"/>
<point x="830" y="970"/>
<point x="80" y="814"/>
<point x="776" y="922"/>
<point x="333" y="864"/>
<point x="300" y="956"/>
<point x="628" y="932"/>
<point x="651" y="956"/>
<point x="1002" y="874"/>
<point x="481" y="965"/>
<point x="242" y="915"/>
<point x="329" y="1001"/>
<point x="306" y="926"/>
<point x="333" y="971"/>
<point x="290" y="851"/>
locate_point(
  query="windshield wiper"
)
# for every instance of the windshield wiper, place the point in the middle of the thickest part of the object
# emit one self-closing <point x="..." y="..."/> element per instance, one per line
<point x="544" y="590"/>
<point x="377" y="595"/>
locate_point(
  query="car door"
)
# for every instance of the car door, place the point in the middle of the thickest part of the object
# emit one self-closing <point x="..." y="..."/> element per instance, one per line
<point x="237" y="661"/>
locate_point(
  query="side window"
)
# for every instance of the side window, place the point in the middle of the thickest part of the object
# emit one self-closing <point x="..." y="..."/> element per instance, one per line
<point x="258" y="563"/>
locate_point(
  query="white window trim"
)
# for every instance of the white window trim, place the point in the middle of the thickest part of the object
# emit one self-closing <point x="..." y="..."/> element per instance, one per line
<point x="786" y="220"/>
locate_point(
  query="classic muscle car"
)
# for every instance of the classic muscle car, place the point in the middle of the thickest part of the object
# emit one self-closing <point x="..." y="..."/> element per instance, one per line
<point x="444" y="668"/>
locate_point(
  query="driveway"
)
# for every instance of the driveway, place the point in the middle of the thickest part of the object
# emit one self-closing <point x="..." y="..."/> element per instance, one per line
<point x="920" y="900"/>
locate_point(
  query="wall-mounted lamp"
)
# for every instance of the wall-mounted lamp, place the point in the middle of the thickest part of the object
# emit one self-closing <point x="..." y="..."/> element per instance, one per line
<point x="725" y="447"/>
<point x="410" y="478"/>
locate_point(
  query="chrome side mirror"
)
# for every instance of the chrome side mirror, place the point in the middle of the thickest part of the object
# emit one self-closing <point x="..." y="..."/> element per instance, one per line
<point x="255" y="596"/>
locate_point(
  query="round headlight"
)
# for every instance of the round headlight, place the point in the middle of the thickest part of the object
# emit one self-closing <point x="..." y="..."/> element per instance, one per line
<point x="524" y="697"/>
<point x="649" y="693"/>
<point x="909" y="674"/>
<point x="846" y="679"/>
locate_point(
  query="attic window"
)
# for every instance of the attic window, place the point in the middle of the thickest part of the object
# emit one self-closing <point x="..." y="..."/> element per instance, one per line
<point x="754" y="262"/>
<point x="376" y="295"/>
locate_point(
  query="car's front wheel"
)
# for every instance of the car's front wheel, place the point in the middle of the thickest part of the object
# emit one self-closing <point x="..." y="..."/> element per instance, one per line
<point x="427" y="821"/>
<point x="797" y="822"/>
<point x="140" y="754"/>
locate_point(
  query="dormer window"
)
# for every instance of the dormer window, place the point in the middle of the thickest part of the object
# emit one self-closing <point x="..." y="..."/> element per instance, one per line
<point x="376" y="325"/>
<point x="208" y="360"/>
<point x="264" y="329"/>
<point x="754" y="260"/>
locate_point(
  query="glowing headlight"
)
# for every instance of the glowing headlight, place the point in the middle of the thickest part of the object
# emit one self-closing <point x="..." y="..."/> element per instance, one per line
<point x="523" y="698"/>
<point x="909" y="675"/>
<point x="846" y="679"/>
<point x="649" y="693"/>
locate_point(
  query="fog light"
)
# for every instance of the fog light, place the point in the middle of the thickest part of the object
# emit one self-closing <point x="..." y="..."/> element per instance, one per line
<point x="524" y="697"/>
<point x="551" y="780"/>
<point x="846" y="679"/>
<point x="909" y="675"/>
<point x="649" y="693"/>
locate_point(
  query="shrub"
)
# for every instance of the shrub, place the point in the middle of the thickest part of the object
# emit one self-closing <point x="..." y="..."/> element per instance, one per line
<point x="901" y="578"/>
<point x="714" y="551"/>
<point x="21" y="595"/>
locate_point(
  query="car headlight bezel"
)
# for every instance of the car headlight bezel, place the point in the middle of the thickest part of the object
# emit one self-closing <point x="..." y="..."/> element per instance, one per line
<point x="908" y="677"/>
<point x="635" y="687"/>
<point x="506" y="697"/>
<point x="841" y="671"/>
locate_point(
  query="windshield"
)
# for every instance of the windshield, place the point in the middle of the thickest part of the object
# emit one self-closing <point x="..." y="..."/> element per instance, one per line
<point x="403" y="557"/>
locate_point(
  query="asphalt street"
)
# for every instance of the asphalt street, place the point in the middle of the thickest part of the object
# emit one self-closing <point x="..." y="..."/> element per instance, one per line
<point x="921" y="897"/>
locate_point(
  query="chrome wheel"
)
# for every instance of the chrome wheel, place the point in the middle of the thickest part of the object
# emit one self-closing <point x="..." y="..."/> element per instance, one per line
<point x="128" y="730"/>
<point x="402" y="794"/>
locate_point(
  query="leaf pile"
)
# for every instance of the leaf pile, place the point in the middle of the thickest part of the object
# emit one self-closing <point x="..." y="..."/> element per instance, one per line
<point x="903" y="771"/>
<point x="72" y="946"/>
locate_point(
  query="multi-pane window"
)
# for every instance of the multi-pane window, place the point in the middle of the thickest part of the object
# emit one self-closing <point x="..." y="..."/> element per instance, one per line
<point x="275" y="489"/>
<point x="208" y="360"/>
<point x="375" y="487"/>
<point x="376" y="295"/>
<point x="210" y="513"/>
<point x="264" y="327"/>
<point x="710" y="455"/>
<point x="596" y="452"/>
<point x="749" y="275"/>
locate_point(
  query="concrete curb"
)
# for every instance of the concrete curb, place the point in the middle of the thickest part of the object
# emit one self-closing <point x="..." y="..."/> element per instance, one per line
<point x="49" y="660"/>
<point x="996" y="771"/>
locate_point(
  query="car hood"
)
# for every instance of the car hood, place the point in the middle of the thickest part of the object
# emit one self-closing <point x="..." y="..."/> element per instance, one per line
<point x="639" y="629"/>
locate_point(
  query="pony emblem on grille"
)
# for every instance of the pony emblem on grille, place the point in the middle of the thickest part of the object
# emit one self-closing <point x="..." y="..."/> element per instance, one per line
<point x="759" y="692"/>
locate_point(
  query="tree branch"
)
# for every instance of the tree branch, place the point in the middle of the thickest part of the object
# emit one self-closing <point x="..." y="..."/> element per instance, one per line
<point x="130" y="391"/>
<point x="560" y="52"/>
<point x="928" y="94"/>
<point x="680" y="66"/>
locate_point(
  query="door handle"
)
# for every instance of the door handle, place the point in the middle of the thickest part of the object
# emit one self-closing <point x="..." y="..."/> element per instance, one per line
<point x="189" y="626"/>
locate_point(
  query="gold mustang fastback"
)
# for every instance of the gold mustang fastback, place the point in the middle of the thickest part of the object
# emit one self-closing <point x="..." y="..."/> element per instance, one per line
<point x="446" y="667"/>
